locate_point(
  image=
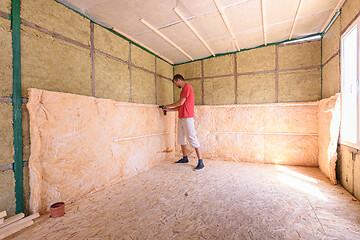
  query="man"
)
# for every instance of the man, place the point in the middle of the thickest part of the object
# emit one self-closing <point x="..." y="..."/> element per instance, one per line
<point x="186" y="129"/>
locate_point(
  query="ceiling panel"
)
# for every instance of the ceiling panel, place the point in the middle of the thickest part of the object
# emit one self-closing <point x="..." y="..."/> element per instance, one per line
<point x="308" y="25"/>
<point x="250" y="39"/>
<point x="244" y="16"/>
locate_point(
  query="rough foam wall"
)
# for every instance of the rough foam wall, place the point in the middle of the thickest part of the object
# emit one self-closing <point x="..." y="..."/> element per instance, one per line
<point x="110" y="43"/>
<point x="256" y="88"/>
<point x="217" y="66"/>
<point x="143" y="59"/>
<point x="189" y="70"/>
<point x="5" y="6"/>
<point x="348" y="12"/>
<point x="111" y="79"/>
<point x="53" y="64"/>
<point x="345" y="169"/>
<point x="260" y="59"/>
<point x="219" y="91"/>
<point x="57" y="18"/>
<point x="142" y="86"/>
<point x="6" y="134"/>
<point x="331" y="78"/>
<point x="164" y="89"/>
<point x="300" y="55"/>
<point x="164" y="85"/>
<point x="5" y="58"/>
<point x="331" y="58"/>
<point x="73" y="151"/>
<point x="329" y="128"/>
<point x="164" y="69"/>
<point x="300" y="85"/>
<point x="269" y="133"/>
<point x="7" y="190"/>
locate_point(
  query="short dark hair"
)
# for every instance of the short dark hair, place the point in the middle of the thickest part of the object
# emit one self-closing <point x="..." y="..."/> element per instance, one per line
<point x="178" y="77"/>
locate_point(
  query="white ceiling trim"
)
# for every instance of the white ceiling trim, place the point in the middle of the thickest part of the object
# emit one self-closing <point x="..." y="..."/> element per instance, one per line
<point x="165" y="38"/>
<point x="193" y="30"/>
<point x="337" y="8"/>
<point x="142" y="45"/>
<point x="296" y="15"/>
<point x="227" y="24"/>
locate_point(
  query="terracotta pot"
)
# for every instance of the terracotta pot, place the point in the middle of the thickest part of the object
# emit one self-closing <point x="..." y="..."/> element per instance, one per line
<point x="57" y="209"/>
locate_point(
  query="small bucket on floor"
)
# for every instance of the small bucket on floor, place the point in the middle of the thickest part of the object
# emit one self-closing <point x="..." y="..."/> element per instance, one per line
<point x="57" y="209"/>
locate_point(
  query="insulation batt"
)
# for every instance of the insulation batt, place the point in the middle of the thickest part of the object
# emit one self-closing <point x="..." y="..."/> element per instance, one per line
<point x="329" y="128"/>
<point x="73" y="151"/>
<point x="266" y="133"/>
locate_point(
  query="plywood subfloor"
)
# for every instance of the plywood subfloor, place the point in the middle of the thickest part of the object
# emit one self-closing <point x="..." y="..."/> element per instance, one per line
<point x="227" y="200"/>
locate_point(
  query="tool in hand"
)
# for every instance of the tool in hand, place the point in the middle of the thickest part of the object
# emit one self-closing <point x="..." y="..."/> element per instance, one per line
<point x="163" y="107"/>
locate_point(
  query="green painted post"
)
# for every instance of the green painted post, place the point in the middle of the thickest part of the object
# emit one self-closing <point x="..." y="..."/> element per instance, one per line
<point x="18" y="155"/>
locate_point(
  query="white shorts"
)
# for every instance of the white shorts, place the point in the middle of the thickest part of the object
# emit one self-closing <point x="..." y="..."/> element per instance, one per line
<point x="186" y="129"/>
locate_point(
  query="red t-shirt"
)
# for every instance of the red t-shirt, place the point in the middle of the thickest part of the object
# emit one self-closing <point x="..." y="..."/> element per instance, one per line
<point x="187" y="109"/>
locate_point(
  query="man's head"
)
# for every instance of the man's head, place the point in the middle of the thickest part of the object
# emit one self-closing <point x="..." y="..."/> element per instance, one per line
<point x="178" y="80"/>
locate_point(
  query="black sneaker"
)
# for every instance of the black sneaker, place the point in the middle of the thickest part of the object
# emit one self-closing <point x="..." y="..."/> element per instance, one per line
<point x="183" y="160"/>
<point x="200" y="165"/>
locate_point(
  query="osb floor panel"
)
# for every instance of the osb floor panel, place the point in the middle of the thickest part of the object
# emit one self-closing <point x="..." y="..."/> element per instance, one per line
<point x="227" y="200"/>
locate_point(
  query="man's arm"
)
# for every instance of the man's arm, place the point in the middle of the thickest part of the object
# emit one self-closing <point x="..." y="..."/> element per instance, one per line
<point x="175" y="105"/>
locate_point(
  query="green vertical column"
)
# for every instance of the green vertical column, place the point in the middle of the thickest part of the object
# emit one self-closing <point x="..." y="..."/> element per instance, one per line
<point x="16" y="99"/>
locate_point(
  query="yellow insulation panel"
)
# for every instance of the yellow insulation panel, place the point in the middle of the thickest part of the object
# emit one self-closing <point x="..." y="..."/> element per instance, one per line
<point x="5" y="58"/>
<point x="164" y="90"/>
<point x="57" y="18"/>
<point x="143" y="59"/>
<point x="222" y="65"/>
<point x="196" y="84"/>
<point x="7" y="190"/>
<point x="53" y="64"/>
<point x="299" y="86"/>
<point x="6" y="134"/>
<point x="108" y="42"/>
<point x="177" y="92"/>
<point x="5" y="6"/>
<point x="357" y="177"/>
<point x="112" y="79"/>
<point x="189" y="70"/>
<point x="331" y="41"/>
<point x="142" y="86"/>
<point x="345" y="168"/>
<point x="163" y="68"/>
<point x="257" y="88"/>
<point x="348" y="12"/>
<point x="259" y="59"/>
<point x="197" y="87"/>
<point x="219" y="91"/>
<point x="331" y="78"/>
<point x="300" y="55"/>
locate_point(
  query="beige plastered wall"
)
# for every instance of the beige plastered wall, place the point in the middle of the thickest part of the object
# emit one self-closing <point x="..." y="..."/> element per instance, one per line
<point x="63" y="51"/>
<point x="348" y="163"/>
<point x="281" y="73"/>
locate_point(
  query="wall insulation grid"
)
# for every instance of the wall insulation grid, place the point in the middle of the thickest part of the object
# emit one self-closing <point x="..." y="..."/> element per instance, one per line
<point x="74" y="48"/>
<point x="107" y="66"/>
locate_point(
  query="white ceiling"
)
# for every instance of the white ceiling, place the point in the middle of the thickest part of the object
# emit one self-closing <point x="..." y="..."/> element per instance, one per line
<point x="245" y="18"/>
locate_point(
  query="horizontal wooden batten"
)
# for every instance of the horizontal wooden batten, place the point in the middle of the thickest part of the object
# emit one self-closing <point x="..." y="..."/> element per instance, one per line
<point x="54" y="34"/>
<point x="333" y="56"/>
<point x="4" y="15"/>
